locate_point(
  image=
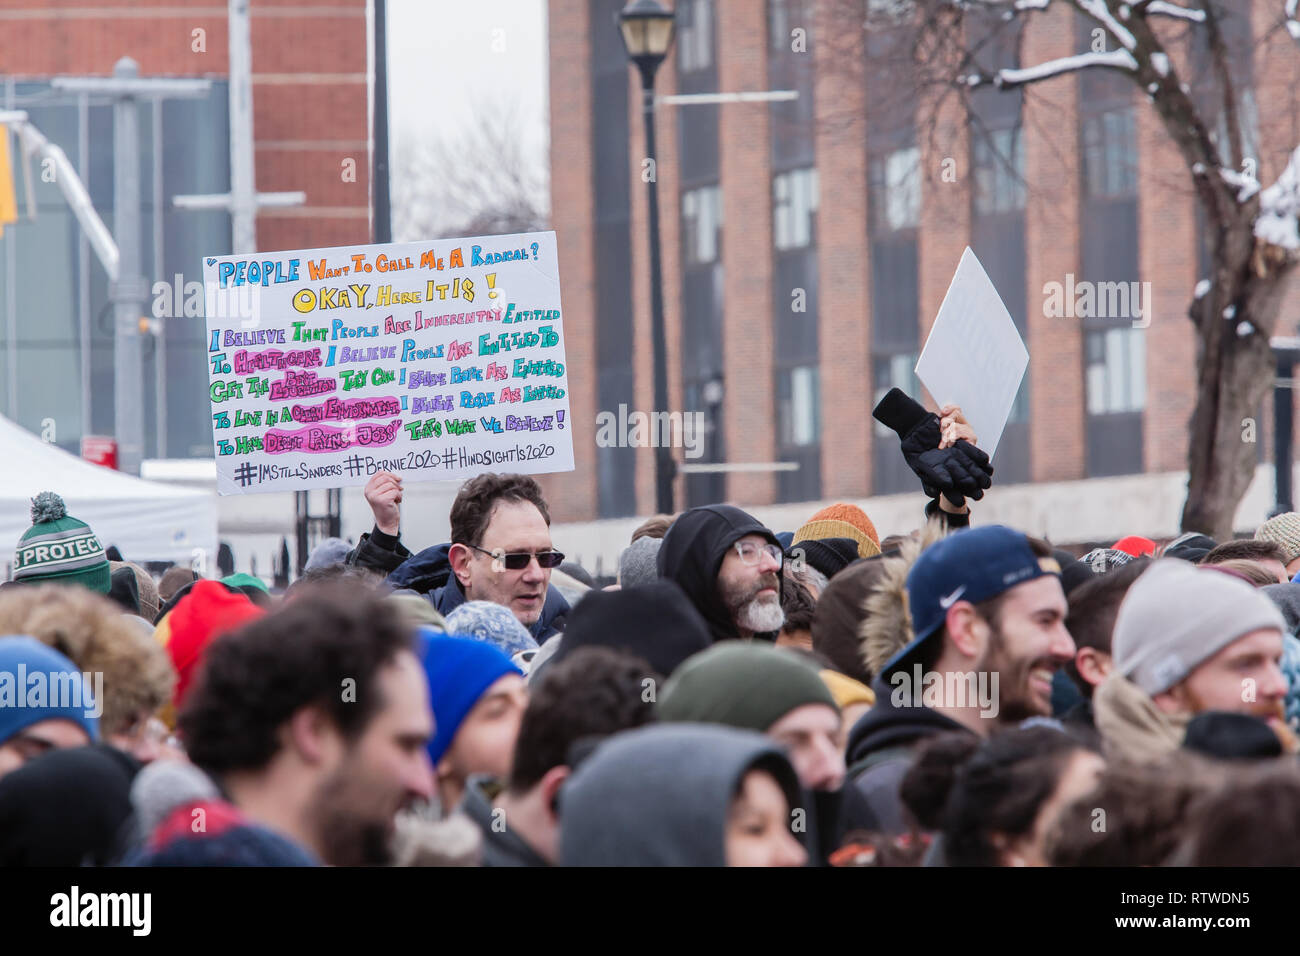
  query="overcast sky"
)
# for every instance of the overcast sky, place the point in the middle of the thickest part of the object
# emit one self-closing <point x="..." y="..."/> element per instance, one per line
<point x="447" y="56"/>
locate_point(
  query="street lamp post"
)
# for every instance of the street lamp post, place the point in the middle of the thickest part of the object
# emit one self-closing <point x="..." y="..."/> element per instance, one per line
<point x="647" y="29"/>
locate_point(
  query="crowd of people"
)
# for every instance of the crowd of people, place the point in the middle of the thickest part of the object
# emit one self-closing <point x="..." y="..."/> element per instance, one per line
<point x="951" y="695"/>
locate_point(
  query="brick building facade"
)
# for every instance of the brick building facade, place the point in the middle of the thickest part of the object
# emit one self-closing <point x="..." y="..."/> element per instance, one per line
<point x="842" y="195"/>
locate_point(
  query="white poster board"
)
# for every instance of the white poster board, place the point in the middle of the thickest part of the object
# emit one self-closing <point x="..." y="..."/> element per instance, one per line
<point x="432" y="360"/>
<point x="974" y="356"/>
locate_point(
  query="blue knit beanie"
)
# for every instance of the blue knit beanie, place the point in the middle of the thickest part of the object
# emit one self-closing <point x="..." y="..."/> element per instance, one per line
<point x="491" y="622"/>
<point x="459" y="670"/>
<point x="24" y="702"/>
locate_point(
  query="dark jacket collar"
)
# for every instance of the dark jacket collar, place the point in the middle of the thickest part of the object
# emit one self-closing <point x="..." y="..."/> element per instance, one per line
<point x="501" y="845"/>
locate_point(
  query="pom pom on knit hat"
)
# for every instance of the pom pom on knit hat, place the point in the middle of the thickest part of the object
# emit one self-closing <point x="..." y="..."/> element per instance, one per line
<point x="47" y="506"/>
<point x="59" y="549"/>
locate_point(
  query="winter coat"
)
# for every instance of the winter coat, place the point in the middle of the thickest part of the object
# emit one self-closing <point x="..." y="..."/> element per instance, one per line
<point x="880" y="751"/>
<point x="1132" y="727"/>
<point x="501" y="845"/>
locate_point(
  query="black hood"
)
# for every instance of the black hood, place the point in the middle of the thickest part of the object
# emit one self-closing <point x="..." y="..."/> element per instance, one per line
<point x="885" y="725"/>
<point x="655" y="621"/>
<point x="692" y="553"/>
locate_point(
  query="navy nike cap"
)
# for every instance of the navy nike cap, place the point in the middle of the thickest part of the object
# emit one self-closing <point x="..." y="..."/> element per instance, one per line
<point x="973" y="564"/>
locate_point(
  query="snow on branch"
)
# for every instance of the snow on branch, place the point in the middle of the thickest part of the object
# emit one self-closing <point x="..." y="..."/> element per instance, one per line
<point x="1163" y="9"/>
<point x="1279" y="207"/>
<point x="1117" y="59"/>
<point x="1246" y="186"/>
<point x="1292" y="23"/>
<point x="1097" y="10"/>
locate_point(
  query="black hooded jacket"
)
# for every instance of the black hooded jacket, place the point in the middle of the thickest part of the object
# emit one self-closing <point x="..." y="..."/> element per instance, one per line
<point x="880" y="753"/>
<point x="654" y="621"/>
<point x="692" y="553"/>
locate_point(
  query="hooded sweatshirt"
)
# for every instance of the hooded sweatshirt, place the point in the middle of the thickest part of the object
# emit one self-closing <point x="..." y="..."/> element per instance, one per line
<point x="656" y="622"/>
<point x="692" y="553"/>
<point x="659" y="795"/>
<point x="880" y="753"/>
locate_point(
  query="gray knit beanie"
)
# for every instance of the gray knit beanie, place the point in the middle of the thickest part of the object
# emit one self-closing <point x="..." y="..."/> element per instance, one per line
<point x="1176" y="616"/>
<point x="636" y="565"/>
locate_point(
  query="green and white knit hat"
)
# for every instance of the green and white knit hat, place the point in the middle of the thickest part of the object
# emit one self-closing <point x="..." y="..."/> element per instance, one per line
<point x="58" y="549"/>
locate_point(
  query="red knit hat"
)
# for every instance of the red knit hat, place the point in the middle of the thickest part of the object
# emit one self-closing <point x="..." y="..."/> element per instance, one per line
<point x="1135" y="545"/>
<point x="208" y="611"/>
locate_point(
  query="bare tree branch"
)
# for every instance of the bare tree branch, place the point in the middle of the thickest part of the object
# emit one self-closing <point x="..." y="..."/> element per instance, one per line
<point x="480" y="179"/>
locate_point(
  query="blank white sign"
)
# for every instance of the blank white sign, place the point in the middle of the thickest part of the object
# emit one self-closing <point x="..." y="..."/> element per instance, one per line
<point x="974" y="356"/>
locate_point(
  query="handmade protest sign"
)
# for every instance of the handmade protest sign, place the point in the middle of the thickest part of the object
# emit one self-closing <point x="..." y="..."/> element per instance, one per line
<point x="432" y="360"/>
<point x="974" y="356"/>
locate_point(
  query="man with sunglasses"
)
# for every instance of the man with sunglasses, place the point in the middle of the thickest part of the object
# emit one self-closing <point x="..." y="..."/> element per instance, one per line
<point x="729" y="565"/>
<point x="500" y="549"/>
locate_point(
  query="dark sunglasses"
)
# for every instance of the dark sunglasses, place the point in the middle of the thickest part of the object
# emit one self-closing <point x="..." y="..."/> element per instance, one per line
<point x="519" y="560"/>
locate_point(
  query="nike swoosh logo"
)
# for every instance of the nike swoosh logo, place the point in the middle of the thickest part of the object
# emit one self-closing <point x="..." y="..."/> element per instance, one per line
<point x="951" y="599"/>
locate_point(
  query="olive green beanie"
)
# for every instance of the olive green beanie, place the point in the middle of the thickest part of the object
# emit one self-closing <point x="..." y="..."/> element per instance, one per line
<point x="742" y="684"/>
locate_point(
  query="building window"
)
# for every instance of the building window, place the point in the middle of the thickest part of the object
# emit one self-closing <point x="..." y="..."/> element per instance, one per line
<point x="702" y="224"/>
<point x="893" y="371"/>
<point x="794" y="206"/>
<point x="1109" y="151"/>
<point x="778" y="24"/>
<point x="694" y="35"/>
<point x="896" y="190"/>
<point x="1248" y="120"/>
<point x="798" y="406"/>
<point x="1116" y="376"/>
<point x="998" y="161"/>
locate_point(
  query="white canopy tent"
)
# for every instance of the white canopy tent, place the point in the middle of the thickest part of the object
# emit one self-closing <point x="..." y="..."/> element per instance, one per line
<point x="148" y="521"/>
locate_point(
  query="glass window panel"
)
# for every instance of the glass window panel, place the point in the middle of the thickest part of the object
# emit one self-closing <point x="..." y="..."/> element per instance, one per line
<point x="902" y="189"/>
<point x="1138" y="368"/>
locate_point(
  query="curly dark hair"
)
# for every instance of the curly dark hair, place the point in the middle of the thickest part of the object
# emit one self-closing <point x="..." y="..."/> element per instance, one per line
<point x="1149" y="809"/>
<point x="797" y="605"/>
<point x="593" y="692"/>
<point x="472" y="509"/>
<point x="973" y="789"/>
<point x="254" y="679"/>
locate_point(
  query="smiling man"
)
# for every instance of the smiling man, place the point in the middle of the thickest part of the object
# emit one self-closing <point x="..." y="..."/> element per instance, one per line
<point x="729" y="565"/>
<point x="1187" y="641"/>
<point x="500" y="549"/>
<point x="989" y="617"/>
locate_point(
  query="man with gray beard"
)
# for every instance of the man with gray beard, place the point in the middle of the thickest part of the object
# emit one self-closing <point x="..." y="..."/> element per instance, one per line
<point x="729" y="565"/>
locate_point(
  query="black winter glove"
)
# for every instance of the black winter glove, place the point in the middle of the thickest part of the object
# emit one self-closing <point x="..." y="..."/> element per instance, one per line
<point x="960" y="472"/>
